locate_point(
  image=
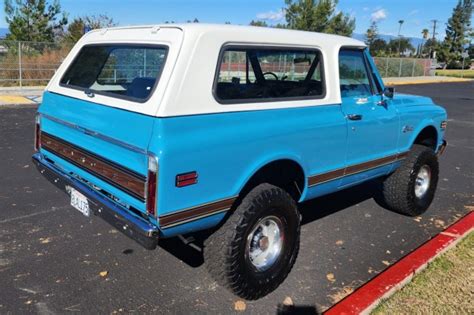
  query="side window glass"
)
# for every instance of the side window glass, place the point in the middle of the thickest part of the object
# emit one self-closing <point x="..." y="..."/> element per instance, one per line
<point x="236" y="68"/>
<point x="271" y="74"/>
<point x="353" y="76"/>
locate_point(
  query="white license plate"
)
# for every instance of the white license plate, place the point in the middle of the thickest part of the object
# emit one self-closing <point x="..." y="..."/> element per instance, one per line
<point x="79" y="201"/>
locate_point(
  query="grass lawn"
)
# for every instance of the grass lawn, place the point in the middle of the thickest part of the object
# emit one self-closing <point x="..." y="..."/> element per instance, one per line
<point x="446" y="286"/>
<point x="456" y="73"/>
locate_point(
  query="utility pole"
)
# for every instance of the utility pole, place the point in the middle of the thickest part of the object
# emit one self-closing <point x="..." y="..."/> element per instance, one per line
<point x="433" y="40"/>
<point x="434" y="29"/>
<point x="399" y="36"/>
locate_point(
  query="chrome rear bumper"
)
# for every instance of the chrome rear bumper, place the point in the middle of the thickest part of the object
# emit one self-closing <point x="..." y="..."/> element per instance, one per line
<point x="138" y="229"/>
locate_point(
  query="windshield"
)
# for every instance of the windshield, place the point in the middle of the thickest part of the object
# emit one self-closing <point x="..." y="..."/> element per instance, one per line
<point x="118" y="70"/>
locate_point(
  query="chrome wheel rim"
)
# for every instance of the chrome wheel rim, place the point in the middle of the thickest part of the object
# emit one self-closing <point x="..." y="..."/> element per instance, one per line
<point x="422" y="181"/>
<point x="265" y="243"/>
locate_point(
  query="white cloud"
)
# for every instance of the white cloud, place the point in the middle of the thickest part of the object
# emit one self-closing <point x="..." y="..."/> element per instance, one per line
<point x="413" y="12"/>
<point x="378" y="15"/>
<point x="274" y="16"/>
<point x="366" y="9"/>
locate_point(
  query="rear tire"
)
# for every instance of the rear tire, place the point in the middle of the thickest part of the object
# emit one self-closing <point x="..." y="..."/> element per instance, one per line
<point x="255" y="249"/>
<point x="411" y="188"/>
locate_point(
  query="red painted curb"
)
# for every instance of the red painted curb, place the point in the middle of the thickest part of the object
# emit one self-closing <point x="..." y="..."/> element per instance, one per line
<point x="364" y="299"/>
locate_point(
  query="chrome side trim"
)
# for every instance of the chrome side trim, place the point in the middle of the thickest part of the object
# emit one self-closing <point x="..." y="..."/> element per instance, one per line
<point x="95" y="134"/>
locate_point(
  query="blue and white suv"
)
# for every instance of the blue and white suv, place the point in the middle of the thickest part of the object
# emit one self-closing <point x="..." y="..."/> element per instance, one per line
<point x="173" y="129"/>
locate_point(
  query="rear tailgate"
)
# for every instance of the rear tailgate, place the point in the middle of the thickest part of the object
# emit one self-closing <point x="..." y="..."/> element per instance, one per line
<point x="103" y="145"/>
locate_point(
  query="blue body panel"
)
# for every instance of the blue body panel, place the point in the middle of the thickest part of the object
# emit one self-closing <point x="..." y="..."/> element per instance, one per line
<point x="418" y="113"/>
<point x="227" y="149"/>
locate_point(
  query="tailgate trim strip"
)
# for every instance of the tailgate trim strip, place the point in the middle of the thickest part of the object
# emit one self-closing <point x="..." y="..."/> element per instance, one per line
<point x="98" y="135"/>
<point x="100" y="167"/>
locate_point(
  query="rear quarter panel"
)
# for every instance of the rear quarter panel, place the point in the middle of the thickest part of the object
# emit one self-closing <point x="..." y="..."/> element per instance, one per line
<point x="227" y="149"/>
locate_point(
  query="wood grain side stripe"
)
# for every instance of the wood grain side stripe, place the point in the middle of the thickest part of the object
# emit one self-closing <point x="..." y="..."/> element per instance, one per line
<point x="354" y="169"/>
<point x="117" y="176"/>
<point x="325" y="177"/>
<point x="199" y="212"/>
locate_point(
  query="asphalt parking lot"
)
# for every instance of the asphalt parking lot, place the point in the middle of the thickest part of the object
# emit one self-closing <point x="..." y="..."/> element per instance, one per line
<point x="54" y="260"/>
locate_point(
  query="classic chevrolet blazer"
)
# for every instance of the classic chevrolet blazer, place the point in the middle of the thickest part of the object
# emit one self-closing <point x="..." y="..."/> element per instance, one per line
<point x="169" y="130"/>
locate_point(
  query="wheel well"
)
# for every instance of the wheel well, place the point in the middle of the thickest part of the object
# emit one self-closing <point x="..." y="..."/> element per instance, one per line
<point x="286" y="174"/>
<point x="428" y="137"/>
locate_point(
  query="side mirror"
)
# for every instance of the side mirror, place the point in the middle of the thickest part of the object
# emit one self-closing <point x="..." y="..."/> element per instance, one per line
<point x="389" y="92"/>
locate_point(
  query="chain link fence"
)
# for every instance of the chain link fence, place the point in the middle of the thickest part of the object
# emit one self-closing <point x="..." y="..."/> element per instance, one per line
<point x="404" y="67"/>
<point x="29" y="63"/>
<point x="34" y="63"/>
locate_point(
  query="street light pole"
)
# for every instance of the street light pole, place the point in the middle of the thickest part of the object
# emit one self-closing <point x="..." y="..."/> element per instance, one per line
<point x="399" y="36"/>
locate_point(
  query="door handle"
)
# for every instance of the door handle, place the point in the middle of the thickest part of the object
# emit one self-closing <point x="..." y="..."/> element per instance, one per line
<point x="354" y="117"/>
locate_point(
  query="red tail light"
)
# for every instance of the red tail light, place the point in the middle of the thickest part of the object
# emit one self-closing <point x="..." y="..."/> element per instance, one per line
<point x="151" y="185"/>
<point x="37" y="132"/>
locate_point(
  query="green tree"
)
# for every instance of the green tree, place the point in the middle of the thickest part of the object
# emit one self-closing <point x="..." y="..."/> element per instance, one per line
<point x="430" y="46"/>
<point x="34" y="20"/>
<point x="79" y="25"/>
<point x="403" y="43"/>
<point x="318" y="16"/>
<point x="371" y="34"/>
<point x="470" y="51"/>
<point x="458" y="33"/>
<point x="258" y="23"/>
<point x="425" y="32"/>
<point x="378" y="47"/>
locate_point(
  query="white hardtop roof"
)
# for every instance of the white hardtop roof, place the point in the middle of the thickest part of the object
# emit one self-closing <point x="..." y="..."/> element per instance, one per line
<point x="285" y="36"/>
<point x="186" y="83"/>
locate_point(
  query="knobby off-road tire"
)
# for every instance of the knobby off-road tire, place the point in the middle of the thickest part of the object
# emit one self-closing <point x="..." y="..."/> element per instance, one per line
<point x="228" y="251"/>
<point x="403" y="190"/>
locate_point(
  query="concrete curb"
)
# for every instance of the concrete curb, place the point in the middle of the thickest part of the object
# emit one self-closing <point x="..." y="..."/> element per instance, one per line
<point x="15" y="100"/>
<point x="455" y="80"/>
<point x="367" y="297"/>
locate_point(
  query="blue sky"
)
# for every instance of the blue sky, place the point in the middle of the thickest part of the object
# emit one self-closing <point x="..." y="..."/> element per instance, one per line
<point x="416" y="13"/>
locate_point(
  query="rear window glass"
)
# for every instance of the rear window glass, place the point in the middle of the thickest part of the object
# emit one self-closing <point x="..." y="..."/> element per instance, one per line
<point x="268" y="74"/>
<point x="123" y="71"/>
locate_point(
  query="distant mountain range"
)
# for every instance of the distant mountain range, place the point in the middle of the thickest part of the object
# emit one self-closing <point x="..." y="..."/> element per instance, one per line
<point x="413" y="40"/>
<point x="3" y="32"/>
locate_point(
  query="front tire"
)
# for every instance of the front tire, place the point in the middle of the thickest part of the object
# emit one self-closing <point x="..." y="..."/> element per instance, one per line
<point x="255" y="249"/>
<point x="411" y="188"/>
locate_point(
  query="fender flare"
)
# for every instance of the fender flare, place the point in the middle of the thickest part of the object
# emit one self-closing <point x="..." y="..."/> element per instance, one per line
<point x="263" y="161"/>
<point x="426" y="123"/>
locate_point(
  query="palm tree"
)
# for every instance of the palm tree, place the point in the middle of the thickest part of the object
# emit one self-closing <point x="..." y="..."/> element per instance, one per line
<point x="425" y="33"/>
